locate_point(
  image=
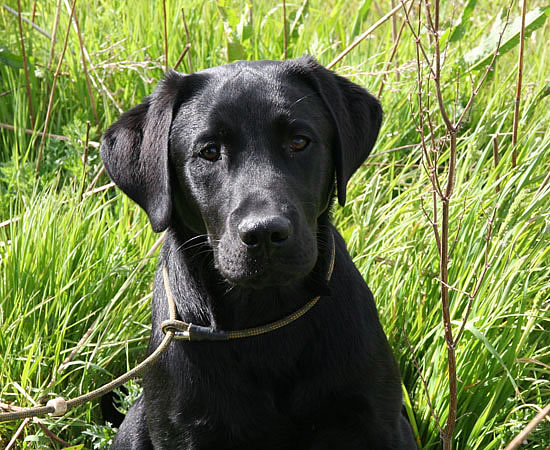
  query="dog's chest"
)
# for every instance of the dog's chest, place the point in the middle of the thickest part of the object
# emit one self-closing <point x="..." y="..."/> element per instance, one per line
<point x="239" y="397"/>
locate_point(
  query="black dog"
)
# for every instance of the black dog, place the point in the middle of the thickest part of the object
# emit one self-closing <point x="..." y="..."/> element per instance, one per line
<point x="238" y="163"/>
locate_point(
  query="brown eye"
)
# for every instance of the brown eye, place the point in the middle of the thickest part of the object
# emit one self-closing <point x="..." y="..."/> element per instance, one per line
<point x="211" y="153"/>
<point x="299" y="143"/>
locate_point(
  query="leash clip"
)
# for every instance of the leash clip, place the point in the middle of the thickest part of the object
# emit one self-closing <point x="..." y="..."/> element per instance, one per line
<point x="184" y="331"/>
<point x="178" y="327"/>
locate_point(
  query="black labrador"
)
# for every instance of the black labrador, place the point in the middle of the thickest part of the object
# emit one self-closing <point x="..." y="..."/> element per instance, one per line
<point x="240" y="165"/>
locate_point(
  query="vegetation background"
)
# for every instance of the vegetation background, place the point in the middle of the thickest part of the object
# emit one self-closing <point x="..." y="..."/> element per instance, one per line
<point x="75" y="272"/>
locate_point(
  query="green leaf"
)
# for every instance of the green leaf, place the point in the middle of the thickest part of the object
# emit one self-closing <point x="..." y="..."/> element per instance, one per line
<point x="237" y="30"/>
<point x="9" y="59"/>
<point x="460" y="29"/>
<point x="235" y="51"/>
<point x="472" y="329"/>
<point x="298" y="19"/>
<point x="481" y="56"/>
<point x="360" y="17"/>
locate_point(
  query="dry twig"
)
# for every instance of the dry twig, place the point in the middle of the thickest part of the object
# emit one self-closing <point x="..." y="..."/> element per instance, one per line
<point x="188" y="34"/>
<point x="84" y="66"/>
<point x="52" y="92"/>
<point x="364" y="35"/>
<point x="518" y="86"/>
<point x="31" y="23"/>
<point x="25" y="63"/>
<point x="521" y="437"/>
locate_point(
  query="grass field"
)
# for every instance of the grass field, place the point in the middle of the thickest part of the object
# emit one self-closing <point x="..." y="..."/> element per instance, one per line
<point x="74" y="281"/>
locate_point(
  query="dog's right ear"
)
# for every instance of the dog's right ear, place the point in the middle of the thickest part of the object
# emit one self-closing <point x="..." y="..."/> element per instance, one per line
<point x="134" y="150"/>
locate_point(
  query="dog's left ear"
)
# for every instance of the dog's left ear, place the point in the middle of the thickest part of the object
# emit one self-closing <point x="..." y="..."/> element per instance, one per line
<point x="357" y="116"/>
<point x="134" y="151"/>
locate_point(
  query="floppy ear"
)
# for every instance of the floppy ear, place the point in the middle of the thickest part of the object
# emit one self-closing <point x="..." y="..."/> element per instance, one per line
<point x="357" y="116"/>
<point x="134" y="151"/>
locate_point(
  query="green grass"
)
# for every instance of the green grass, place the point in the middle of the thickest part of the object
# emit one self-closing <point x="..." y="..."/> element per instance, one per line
<point x="64" y="261"/>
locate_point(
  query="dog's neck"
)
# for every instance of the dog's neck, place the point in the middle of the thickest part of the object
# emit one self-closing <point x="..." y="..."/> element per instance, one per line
<point x="205" y="298"/>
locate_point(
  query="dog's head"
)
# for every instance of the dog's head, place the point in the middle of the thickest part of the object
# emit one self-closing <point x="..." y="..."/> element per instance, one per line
<point x="247" y="154"/>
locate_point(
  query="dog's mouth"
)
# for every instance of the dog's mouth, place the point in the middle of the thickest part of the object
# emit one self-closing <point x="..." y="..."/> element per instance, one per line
<point x="264" y="276"/>
<point x="240" y="268"/>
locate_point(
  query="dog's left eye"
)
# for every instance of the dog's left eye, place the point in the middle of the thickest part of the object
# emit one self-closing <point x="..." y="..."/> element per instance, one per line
<point x="211" y="152"/>
<point x="299" y="143"/>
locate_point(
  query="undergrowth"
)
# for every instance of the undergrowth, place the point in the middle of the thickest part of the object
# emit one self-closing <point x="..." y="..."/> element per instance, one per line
<point x="75" y="284"/>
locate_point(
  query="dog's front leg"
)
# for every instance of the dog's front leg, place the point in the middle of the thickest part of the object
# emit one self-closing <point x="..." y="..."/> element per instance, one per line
<point x="133" y="433"/>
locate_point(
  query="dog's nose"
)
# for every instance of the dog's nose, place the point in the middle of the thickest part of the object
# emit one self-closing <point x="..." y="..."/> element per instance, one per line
<point x="264" y="232"/>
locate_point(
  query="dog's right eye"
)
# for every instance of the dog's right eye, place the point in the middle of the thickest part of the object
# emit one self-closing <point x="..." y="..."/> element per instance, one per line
<point x="211" y="152"/>
<point x="299" y="143"/>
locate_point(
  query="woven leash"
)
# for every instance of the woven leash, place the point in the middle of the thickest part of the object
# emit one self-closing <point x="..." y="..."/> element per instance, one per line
<point x="173" y="329"/>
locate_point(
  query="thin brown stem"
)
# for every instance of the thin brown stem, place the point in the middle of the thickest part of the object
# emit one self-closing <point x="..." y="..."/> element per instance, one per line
<point x="33" y="14"/>
<point x="496" y="158"/>
<point x="180" y="59"/>
<point x="48" y="135"/>
<point x="54" y="34"/>
<point x="518" y="85"/>
<point x="100" y="189"/>
<point x="5" y="223"/>
<point x="445" y="309"/>
<point x="24" y="19"/>
<point x="25" y="63"/>
<point x="96" y="179"/>
<point x="524" y="434"/>
<point x="362" y="37"/>
<point x="453" y="246"/>
<point x="52" y="92"/>
<point x="85" y="69"/>
<point x="188" y="35"/>
<point x="165" y="35"/>
<point x="17" y="433"/>
<point x="51" y="435"/>
<point x="84" y="160"/>
<point x="397" y="40"/>
<point x="433" y="25"/>
<point x="437" y="56"/>
<point x="433" y="223"/>
<point x="417" y="40"/>
<point x="285" y="32"/>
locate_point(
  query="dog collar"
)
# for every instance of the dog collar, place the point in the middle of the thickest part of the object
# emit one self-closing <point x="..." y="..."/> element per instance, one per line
<point x="191" y="332"/>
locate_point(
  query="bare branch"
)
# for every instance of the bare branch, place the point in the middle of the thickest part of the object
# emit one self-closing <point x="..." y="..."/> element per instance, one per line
<point x="52" y="92"/>
<point x="17" y="433"/>
<point x="357" y="41"/>
<point x="521" y="437"/>
<point x="25" y="63"/>
<point x="180" y="59"/>
<point x="31" y="23"/>
<point x="166" y="67"/>
<point x="417" y="39"/>
<point x="48" y="135"/>
<point x="458" y="230"/>
<point x="433" y="223"/>
<point x="397" y="40"/>
<point x="84" y="65"/>
<point x="518" y="86"/>
<point x="188" y="34"/>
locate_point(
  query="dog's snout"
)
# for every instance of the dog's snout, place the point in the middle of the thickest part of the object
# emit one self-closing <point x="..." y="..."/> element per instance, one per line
<point x="265" y="232"/>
